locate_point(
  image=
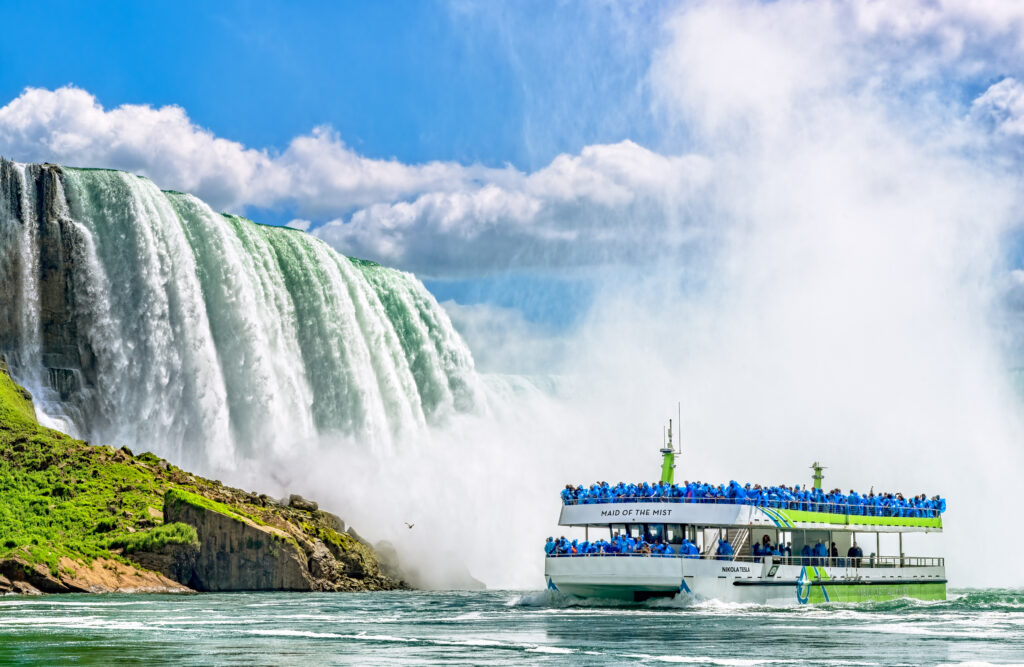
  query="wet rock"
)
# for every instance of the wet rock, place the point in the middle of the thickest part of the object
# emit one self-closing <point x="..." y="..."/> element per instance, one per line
<point x="174" y="561"/>
<point x="333" y="521"/>
<point x="352" y="531"/>
<point x="300" y="503"/>
<point x="25" y="588"/>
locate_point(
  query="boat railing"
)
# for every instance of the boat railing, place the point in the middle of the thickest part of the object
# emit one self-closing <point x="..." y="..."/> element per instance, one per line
<point x="891" y="511"/>
<point x="850" y="562"/>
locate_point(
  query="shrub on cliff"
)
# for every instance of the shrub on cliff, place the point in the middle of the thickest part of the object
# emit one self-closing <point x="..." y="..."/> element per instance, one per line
<point x="156" y="538"/>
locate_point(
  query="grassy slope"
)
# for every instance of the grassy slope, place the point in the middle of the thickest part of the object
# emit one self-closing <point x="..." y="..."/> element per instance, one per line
<point x="63" y="497"/>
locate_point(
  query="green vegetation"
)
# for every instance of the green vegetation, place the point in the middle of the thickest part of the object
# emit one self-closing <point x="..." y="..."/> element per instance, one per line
<point x="15" y="403"/>
<point x="60" y="497"/>
<point x="64" y="498"/>
<point x="182" y="496"/>
<point x="341" y="542"/>
<point x="156" y="538"/>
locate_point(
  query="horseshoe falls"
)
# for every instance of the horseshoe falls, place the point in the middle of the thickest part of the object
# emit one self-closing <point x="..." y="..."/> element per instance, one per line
<point x="142" y="317"/>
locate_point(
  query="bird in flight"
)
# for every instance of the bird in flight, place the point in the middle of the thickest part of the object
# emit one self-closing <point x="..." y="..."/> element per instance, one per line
<point x="409" y="525"/>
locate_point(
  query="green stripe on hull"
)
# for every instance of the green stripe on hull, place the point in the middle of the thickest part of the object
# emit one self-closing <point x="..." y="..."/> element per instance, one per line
<point x="875" y="592"/>
<point x="800" y="516"/>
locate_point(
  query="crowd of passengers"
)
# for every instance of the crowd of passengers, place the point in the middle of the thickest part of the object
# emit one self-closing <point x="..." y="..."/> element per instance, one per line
<point x="782" y="497"/>
<point x="819" y="554"/>
<point x="619" y="544"/>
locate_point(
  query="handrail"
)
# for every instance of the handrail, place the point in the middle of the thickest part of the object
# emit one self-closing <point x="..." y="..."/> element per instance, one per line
<point x="796" y="505"/>
<point x="849" y="562"/>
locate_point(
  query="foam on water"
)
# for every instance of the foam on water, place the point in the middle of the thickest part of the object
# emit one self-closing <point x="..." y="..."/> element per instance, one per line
<point x="705" y="660"/>
<point x="493" y="627"/>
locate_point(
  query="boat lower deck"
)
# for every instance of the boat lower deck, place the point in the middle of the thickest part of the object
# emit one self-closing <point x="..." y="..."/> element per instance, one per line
<point x="635" y="577"/>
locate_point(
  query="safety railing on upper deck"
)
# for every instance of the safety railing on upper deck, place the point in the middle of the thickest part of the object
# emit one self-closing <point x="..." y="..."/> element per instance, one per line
<point x="890" y="511"/>
<point x="855" y="562"/>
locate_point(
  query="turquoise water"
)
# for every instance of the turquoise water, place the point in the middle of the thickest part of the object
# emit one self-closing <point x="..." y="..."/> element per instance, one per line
<point x="495" y="627"/>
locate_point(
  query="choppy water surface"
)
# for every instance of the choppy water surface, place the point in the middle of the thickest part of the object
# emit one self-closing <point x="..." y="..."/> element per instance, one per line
<point x="973" y="627"/>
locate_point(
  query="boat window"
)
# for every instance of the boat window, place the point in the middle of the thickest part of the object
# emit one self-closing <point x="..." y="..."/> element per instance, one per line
<point x="618" y="529"/>
<point x="655" y="532"/>
<point x="636" y="530"/>
<point x="673" y="533"/>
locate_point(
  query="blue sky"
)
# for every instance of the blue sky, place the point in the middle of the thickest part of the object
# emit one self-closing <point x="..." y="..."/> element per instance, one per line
<point x="418" y="81"/>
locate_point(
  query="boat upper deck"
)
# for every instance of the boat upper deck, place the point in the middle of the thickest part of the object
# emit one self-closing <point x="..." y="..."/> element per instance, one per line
<point x="727" y="512"/>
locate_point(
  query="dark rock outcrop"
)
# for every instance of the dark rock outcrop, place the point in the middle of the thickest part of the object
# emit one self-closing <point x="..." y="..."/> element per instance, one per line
<point x="272" y="551"/>
<point x="175" y="561"/>
<point x="37" y="204"/>
<point x="300" y="503"/>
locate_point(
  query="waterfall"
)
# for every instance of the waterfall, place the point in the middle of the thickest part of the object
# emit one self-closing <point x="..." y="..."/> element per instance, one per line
<point x="142" y="317"/>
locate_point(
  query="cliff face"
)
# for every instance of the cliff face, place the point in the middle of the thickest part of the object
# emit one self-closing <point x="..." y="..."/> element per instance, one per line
<point x="80" y="518"/>
<point x="235" y="552"/>
<point x="66" y="357"/>
<point x="268" y="546"/>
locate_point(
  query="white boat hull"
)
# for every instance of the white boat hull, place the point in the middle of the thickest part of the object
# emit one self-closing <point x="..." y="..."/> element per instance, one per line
<point x="636" y="577"/>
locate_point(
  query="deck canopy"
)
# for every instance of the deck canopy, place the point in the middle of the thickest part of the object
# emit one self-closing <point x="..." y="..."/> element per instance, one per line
<point x="728" y="514"/>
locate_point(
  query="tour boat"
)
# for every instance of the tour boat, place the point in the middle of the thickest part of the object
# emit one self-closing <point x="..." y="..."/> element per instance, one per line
<point x="743" y="577"/>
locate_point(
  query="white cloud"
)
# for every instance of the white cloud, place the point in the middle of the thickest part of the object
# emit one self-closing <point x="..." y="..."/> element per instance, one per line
<point x="1002" y="104"/>
<point x="610" y="203"/>
<point x="317" y="172"/>
<point x="299" y="223"/>
<point x="69" y="126"/>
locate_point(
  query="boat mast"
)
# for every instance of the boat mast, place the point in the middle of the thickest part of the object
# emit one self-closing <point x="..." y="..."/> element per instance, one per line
<point x="668" y="459"/>
<point x="817" y="468"/>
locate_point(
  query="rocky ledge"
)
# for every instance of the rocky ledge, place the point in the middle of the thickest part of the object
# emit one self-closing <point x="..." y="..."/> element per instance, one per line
<point x="81" y="518"/>
<point x="257" y="544"/>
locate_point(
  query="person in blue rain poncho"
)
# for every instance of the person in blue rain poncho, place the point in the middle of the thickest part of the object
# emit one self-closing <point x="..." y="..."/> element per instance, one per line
<point x="820" y="553"/>
<point x="724" y="550"/>
<point x="549" y="546"/>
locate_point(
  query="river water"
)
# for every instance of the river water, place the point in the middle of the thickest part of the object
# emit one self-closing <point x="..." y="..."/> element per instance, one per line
<point x="500" y="627"/>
